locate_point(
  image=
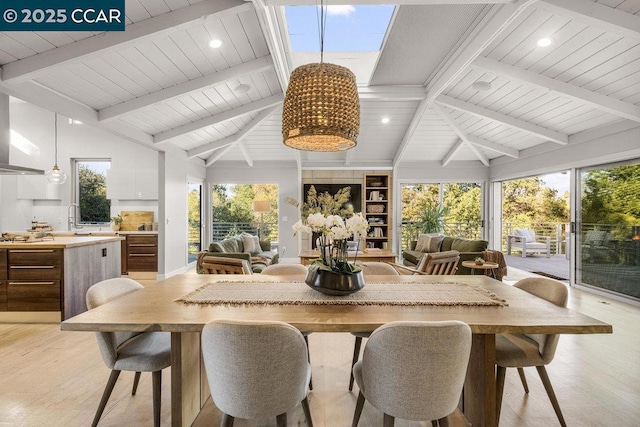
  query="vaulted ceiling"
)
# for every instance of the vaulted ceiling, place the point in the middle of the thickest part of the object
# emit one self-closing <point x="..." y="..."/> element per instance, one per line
<point x="160" y="84"/>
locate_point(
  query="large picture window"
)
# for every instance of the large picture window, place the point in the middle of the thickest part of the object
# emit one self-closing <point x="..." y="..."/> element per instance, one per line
<point x="90" y="185"/>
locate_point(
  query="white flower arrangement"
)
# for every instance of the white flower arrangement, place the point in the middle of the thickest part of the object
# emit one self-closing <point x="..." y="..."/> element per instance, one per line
<point x="334" y="232"/>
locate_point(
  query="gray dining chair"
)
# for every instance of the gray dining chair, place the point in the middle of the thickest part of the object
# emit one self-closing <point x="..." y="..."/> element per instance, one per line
<point x="413" y="370"/>
<point x="129" y="351"/>
<point x="524" y="350"/>
<point x="368" y="269"/>
<point x="285" y="270"/>
<point x="256" y="369"/>
<point x="290" y="270"/>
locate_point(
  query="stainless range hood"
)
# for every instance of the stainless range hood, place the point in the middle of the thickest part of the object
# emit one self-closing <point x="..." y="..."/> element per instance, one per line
<point x="5" y="143"/>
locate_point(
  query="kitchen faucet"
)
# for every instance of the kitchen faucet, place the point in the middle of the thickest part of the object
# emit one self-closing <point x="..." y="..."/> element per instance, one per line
<point x="71" y="219"/>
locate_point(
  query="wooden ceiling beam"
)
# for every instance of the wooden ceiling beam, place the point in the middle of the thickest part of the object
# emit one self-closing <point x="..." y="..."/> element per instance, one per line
<point x="240" y="136"/>
<point x="270" y="101"/>
<point x="530" y="128"/>
<point x="594" y="99"/>
<point x="222" y="76"/>
<point x="596" y="15"/>
<point x="29" y="67"/>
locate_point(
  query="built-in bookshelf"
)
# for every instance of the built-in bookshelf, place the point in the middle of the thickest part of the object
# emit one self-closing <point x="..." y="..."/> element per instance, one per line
<point x="377" y="205"/>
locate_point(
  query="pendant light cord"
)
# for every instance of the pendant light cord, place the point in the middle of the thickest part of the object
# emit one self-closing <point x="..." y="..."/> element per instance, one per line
<point x="55" y="137"/>
<point x="322" y="24"/>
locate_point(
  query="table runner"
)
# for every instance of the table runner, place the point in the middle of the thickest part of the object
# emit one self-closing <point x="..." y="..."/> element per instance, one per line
<point x="298" y="293"/>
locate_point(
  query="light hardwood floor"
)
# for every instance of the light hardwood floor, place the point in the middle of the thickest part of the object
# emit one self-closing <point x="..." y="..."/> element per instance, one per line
<point x="54" y="378"/>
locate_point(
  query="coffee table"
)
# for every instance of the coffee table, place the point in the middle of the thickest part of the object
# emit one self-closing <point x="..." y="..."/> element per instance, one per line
<point x="485" y="266"/>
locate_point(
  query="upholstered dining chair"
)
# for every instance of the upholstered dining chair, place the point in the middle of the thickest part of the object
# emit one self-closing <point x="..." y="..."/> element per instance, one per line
<point x="256" y="369"/>
<point x="436" y="263"/>
<point x="129" y="351"/>
<point x="413" y="370"/>
<point x="524" y="350"/>
<point x="286" y="270"/>
<point x="290" y="270"/>
<point x="222" y="265"/>
<point x="368" y="269"/>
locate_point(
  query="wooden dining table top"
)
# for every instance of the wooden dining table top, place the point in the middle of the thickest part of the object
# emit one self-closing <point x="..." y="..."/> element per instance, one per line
<point x="154" y="308"/>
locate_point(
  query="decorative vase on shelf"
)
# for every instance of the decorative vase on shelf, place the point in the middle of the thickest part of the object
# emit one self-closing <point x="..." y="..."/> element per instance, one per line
<point x="334" y="283"/>
<point x="115" y="227"/>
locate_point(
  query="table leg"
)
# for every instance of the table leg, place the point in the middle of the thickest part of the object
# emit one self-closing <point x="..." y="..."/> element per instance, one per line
<point x="186" y="400"/>
<point x="480" y="384"/>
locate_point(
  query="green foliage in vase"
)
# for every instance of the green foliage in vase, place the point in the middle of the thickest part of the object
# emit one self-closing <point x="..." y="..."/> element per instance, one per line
<point x="323" y="203"/>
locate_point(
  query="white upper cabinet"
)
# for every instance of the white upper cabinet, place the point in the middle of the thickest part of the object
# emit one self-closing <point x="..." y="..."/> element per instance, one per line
<point x="36" y="187"/>
<point x="132" y="184"/>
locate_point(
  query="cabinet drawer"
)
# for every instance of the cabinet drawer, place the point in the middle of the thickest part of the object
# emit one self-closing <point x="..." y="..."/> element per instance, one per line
<point x="37" y="295"/>
<point x="134" y="240"/>
<point x="142" y="262"/>
<point x="3" y="295"/>
<point x="35" y="264"/>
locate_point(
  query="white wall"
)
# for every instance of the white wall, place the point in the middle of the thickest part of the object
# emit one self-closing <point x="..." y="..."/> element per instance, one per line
<point x="175" y="168"/>
<point x="74" y="141"/>
<point x="285" y="174"/>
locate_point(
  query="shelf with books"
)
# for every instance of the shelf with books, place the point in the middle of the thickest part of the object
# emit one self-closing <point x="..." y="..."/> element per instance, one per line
<point x="377" y="206"/>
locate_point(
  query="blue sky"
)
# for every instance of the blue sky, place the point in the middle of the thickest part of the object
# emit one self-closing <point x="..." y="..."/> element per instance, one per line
<point x="348" y="28"/>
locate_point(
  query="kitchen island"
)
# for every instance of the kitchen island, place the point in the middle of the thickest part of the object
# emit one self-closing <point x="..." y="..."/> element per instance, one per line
<point x="54" y="275"/>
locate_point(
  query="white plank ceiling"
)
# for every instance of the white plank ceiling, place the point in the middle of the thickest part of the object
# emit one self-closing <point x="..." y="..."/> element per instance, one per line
<point x="159" y="83"/>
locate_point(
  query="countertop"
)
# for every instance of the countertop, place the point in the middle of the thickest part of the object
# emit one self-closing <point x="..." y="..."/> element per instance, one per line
<point x="62" y="242"/>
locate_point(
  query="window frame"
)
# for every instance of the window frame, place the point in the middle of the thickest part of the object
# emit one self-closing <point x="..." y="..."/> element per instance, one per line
<point x="76" y="163"/>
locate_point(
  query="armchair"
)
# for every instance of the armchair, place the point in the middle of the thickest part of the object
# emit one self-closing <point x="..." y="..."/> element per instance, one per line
<point x="527" y="242"/>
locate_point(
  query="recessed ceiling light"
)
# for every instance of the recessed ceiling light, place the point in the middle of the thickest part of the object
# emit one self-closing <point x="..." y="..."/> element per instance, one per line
<point x="215" y="43"/>
<point x="481" y="86"/>
<point x="242" y="88"/>
<point x="545" y="41"/>
<point x="385" y="120"/>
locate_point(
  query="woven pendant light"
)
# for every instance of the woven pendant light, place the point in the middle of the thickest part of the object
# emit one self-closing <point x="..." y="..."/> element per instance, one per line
<point x="321" y="110"/>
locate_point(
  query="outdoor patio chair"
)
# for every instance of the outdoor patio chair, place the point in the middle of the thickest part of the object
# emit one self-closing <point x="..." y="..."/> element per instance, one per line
<point x="526" y="241"/>
<point x="600" y="245"/>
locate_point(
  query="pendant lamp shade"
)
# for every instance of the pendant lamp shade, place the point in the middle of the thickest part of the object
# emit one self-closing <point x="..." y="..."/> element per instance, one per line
<point x="321" y="110"/>
<point x="55" y="175"/>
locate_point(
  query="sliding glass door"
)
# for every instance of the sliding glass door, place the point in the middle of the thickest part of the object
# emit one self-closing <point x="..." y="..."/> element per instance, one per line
<point x="608" y="232"/>
<point x="194" y="221"/>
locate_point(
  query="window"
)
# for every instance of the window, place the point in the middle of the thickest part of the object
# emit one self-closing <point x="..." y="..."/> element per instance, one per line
<point x="90" y="191"/>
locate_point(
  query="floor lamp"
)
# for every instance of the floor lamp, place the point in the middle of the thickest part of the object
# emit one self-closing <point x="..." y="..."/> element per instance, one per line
<point x="262" y="207"/>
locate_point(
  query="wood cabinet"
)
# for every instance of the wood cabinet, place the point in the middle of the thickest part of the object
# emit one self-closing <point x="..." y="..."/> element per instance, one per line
<point x="377" y="206"/>
<point x="3" y="280"/>
<point x="142" y="252"/>
<point x="34" y="279"/>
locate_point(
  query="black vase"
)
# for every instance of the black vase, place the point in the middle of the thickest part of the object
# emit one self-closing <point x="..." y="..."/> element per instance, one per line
<point x="332" y="283"/>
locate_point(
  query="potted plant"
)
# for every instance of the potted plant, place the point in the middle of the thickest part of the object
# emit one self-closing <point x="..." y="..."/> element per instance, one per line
<point x="115" y="222"/>
<point x="479" y="261"/>
<point x="432" y="218"/>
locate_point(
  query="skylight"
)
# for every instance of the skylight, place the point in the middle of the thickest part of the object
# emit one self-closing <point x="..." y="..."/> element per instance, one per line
<point x="349" y="28"/>
<point x="353" y="36"/>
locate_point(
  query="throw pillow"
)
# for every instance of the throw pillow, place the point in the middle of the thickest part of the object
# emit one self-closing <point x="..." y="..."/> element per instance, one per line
<point x="529" y="235"/>
<point x="424" y="241"/>
<point x="432" y="244"/>
<point x="216" y="247"/>
<point x="251" y="243"/>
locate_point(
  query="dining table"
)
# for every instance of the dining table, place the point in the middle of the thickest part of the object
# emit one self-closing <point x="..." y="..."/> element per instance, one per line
<point x="161" y="307"/>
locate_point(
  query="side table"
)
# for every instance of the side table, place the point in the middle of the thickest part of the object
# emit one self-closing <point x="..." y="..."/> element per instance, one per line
<point x="486" y="266"/>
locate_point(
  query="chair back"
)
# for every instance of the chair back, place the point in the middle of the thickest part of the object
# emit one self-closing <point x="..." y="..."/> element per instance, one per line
<point x="255" y="368"/>
<point x="554" y="292"/>
<point x="101" y="293"/>
<point x="378" y="269"/>
<point x="286" y="270"/>
<point x="416" y="370"/>
<point x="223" y="265"/>
<point x="439" y="263"/>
